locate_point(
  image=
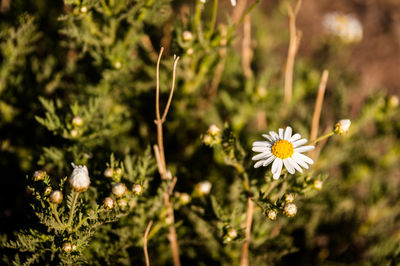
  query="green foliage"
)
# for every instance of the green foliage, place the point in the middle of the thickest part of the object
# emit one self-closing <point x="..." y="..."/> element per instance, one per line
<point x="86" y="94"/>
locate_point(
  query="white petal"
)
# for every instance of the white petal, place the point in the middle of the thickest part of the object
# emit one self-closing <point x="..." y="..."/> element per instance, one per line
<point x="268" y="161"/>
<point x="295" y="165"/>
<point x="295" y="137"/>
<point x="260" y="149"/>
<point x="268" y="137"/>
<point x="261" y="155"/>
<point x="288" y="133"/>
<point x="298" y="143"/>
<point x="258" y="164"/>
<point x="298" y="160"/>
<point x="281" y="133"/>
<point x="304" y="148"/>
<point x="305" y="158"/>
<point x="278" y="171"/>
<point x="261" y="144"/>
<point x="274" y="135"/>
<point x="277" y="164"/>
<point x="289" y="166"/>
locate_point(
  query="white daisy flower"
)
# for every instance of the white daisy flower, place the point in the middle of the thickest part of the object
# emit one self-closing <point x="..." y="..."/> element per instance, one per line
<point x="282" y="149"/>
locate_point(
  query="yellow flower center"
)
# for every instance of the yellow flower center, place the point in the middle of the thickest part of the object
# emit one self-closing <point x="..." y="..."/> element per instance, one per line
<point x="282" y="149"/>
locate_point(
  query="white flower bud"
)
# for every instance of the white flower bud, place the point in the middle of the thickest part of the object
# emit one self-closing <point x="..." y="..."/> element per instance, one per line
<point x="318" y="184"/>
<point x="187" y="36"/>
<point x="122" y="203"/>
<point x="214" y="130"/>
<point x="108" y="203"/>
<point x="168" y="220"/>
<point x="117" y="65"/>
<point x="77" y="121"/>
<point x="68" y="247"/>
<point x="56" y="197"/>
<point x="108" y="172"/>
<point x="342" y="127"/>
<point x="290" y="210"/>
<point x="39" y="175"/>
<point x="119" y="189"/>
<point x="232" y="233"/>
<point x="207" y="139"/>
<point x="74" y="133"/>
<point x="184" y="198"/>
<point x="84" y="9"/>
<point x="190" y="51"/>
<point x="393" y="101"/>
<point x="289" y="198"/>
<point x="47" y="191"/>
<point x="233" y="2"/>
<point x="79" y="179"/>
<point x="271" y="214"/>
<point x="204" y="187"/>
<point x="137" y="189"/>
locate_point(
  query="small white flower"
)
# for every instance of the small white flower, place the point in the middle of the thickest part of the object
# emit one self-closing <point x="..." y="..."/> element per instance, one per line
<point x="56" y="197"/>
<point x="282" y="149"/>
<point x="119" y="189"/>
<point x="214" y="130"/>
<point x="117" y="65"/>
<point x="289" y="198"/>
<point x="184" y="198"/>
<point x="318" y="184"/>
<point x="290" y="210"/>
<point x="79" y="179"/>
<point x="108" y="203"/>
<point x="393" y="101"/>
<point x="68" y="247"/>
<point x="346" y="26"/>
<point x="204" y="187"/>
<point x="232" y="233"/>
<point x="77" y="121"/>
<point x="84" y="9"/>
<point x="187" y="36"/>
<point x="342" y="127"/>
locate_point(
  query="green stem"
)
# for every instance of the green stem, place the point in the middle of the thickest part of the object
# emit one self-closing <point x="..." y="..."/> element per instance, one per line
<point x="247" y="12"/>
<point x="197" y="21"/>
<point x="56" y="215"/>
<point x="322" y="137"/>
<point x="213" y="19"/>
<point x="72" y="211"/>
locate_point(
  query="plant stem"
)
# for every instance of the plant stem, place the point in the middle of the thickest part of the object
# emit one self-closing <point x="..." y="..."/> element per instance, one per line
<point x="146" y="233"/>
<point x="322" y="137"/>
<point x="244" y="258"/>
<point x="72" y="211"/>
<point x="54" y="207"/>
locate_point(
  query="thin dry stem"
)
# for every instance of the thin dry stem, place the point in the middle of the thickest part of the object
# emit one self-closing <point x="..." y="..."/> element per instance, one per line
<point x="318" y="107"/>
<point x="160" y="156"/>
<point x="238" y="11"/>
<point x="146" y="233"/>
<point x="294" y="43"/>
<point x="244" y="259"/>
<point x="247" y="52"/>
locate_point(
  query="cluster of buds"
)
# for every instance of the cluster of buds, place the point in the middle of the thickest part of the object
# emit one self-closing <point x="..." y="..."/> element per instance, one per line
<point x="137" y="189"/>
<point x="213" y="135"/>
<point x="342" y="127"/>
<point x="289" y="198"/>
<point x="230" y="234"/>
<point x="114" y="174"/>
<point x="39" y="175"/>
<point x="68" y="247"/>
<point x="79" y="179"/>
<point x="271" y="214"/>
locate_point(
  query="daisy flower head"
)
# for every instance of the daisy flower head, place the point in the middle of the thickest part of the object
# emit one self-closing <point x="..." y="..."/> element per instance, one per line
<point x="282" y="149"/>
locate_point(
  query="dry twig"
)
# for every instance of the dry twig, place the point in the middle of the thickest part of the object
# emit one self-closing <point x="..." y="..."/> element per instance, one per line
<point x="146" y="233"/>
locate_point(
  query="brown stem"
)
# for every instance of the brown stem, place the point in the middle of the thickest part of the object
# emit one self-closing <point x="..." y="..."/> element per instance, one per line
<point x="318" y="107"/>
<point x="146" y="233"/>
<point x="244" y="259"/>
<point x="247" y="52"/>
<point x="292" y="50"/>
<point x="160" y="156"/>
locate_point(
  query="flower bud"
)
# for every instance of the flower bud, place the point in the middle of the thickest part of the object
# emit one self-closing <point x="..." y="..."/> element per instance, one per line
<point x="119" y="189"/>
<point x="271" y="214"/>
<point x="84" y="9"/>
<point x="68" y="247"/>
<point x="290" y="210"/>
<point x="318" y="184"/>
<point x="184" y="198"/>
<point x="122" y="203"/>
<point x="108" y="172"/>
<point x="393" y="101"/>
<point x="47" y="191"/>
<point x="232" y="233"/>
<point x="289" y="198"/>
<point x="74" y="133"/>
<point x="207" y="139"/>
<point x="108" y="203"/>
<point x="39" y="175"/>
<point x="56" y="197"/>
<point x="187" y="36"/>
<point x="79" y="179"/>
<point x="77" y="121"/>
<point x="342" y="127"/>
<point x="137" y="189"/>
<point x="117" y="65"/>
<point x="190" y="51"/>
<point x="168" y="220"/>
<point x="214" y="130"/>
<point x="203" y="188"/>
